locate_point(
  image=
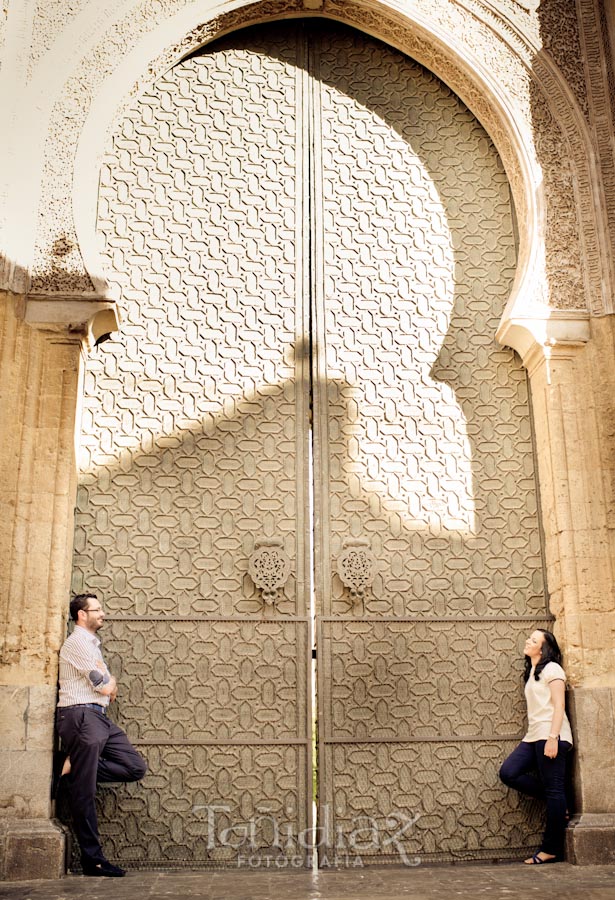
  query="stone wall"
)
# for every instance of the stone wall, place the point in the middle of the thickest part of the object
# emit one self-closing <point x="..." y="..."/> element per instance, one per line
<point x="573" y="397"/>
<point x="38" y="404"/>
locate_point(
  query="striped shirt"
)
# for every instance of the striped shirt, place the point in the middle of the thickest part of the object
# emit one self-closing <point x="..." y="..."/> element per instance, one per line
<point x="81" y="665"/>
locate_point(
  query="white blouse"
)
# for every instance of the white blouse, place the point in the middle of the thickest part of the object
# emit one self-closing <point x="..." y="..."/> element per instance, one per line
<point x="540" y="707"/>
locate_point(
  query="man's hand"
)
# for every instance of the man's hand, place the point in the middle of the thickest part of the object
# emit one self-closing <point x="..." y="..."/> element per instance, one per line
<point x="110" y="690"/>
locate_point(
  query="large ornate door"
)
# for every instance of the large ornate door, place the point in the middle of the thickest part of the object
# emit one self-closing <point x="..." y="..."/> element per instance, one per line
<point x="428" y="559"/>
<point x="196" y="435"/>
<point x="313" y="242"/>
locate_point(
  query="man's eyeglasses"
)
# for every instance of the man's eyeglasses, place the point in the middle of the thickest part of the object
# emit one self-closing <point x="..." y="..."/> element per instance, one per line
<point x="93" y="609"/>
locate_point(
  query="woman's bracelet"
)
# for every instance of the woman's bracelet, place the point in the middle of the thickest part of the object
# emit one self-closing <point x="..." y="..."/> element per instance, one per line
<point x="554" y="736"/>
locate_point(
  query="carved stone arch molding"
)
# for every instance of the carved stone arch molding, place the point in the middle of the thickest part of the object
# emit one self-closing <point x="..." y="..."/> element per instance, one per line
<point x="489" y="54"/>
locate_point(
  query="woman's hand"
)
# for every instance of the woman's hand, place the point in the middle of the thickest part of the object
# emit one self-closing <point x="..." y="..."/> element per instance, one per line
<point x="551" y="748"/>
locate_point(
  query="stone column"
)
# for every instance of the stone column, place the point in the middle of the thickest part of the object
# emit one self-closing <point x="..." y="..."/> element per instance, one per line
<point x="571" y="364"/>
<point x="41" y="348"/>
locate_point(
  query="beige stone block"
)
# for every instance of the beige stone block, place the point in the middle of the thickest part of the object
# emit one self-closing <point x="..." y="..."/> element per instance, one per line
<point x="41" y="646"/>
<point x="592" y="713"/>
<point x="596" y="587"/>
<point x="598" y="632"/>
<point x="556" y="603"/>
<point x="569" y="625"/>
<point x="40" y="718"/>
<point x="575" y="498"/>
<point x="595" y="489"/>
<point x="568" y="571"/>
<point x="583" y="542"/>
<point x="13" y="716"/>
<point x="563" y="372"/>
<point x="561" y="495"/>
<point x="44" y="470"/>
<point x="590" y="840"/>
<point x="25" y="784"/>
<point x="32" y="849"/>
<point x="9" y="460"/>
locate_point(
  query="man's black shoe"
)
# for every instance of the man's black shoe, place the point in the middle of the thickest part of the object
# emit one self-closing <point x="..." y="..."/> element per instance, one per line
<point x="102" y="868"/>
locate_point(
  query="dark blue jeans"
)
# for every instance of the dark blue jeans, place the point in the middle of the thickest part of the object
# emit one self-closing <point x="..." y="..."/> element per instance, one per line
<point x="518" y="771"/>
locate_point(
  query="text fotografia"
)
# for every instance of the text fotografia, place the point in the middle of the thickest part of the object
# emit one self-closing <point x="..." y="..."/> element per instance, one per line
<point x="264" y="842"/>
<point x="263" y="859"/>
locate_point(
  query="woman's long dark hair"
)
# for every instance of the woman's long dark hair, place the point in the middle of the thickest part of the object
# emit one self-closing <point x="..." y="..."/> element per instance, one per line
<point x="550" y="652"/>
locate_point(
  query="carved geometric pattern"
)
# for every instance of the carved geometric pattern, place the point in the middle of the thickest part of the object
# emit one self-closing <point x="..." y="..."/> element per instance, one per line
<point x="452" y="790"/>
<point x="416" y="680"/>
<point x="208" y="681"/>
<point x="191" y="413"/>
<point x="430" y="450"/>
<point x="565" y="261"/>
<point x="198" y="803"/>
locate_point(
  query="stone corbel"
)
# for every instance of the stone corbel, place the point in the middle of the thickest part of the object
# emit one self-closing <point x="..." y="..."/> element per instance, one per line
<point x="545" y="336"/>
<point x="88" y="317"/>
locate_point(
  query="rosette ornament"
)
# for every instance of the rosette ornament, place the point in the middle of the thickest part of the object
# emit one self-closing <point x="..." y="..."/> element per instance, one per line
<point x="356" y="566"/>
<point x="269" y="567"/>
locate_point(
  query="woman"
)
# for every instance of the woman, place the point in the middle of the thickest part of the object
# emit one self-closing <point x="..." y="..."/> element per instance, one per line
<point x="546" y="744"/>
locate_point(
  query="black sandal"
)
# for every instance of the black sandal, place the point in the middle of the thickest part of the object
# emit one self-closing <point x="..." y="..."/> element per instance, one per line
<point x="537" y="861"/>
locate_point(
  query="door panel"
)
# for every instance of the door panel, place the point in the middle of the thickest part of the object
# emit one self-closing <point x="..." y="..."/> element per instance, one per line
<point x="195" y="447"/>
<point x="423" y="459"/>
<point x="304" y="224"/>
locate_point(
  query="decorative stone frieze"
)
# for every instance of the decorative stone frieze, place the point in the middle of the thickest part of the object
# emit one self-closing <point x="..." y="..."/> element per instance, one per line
<point x="491" y="54"/>
<point x="598" y="66"/>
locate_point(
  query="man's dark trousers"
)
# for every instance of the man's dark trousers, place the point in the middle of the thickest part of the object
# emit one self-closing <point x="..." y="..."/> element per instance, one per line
<point x="99" y="751"/>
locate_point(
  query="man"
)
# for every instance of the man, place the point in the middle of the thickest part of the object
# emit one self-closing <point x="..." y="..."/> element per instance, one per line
<point x="97" y="750"/>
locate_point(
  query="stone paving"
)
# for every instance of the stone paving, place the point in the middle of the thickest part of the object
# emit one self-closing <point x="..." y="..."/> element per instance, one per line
<point x="509" y="880"/>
